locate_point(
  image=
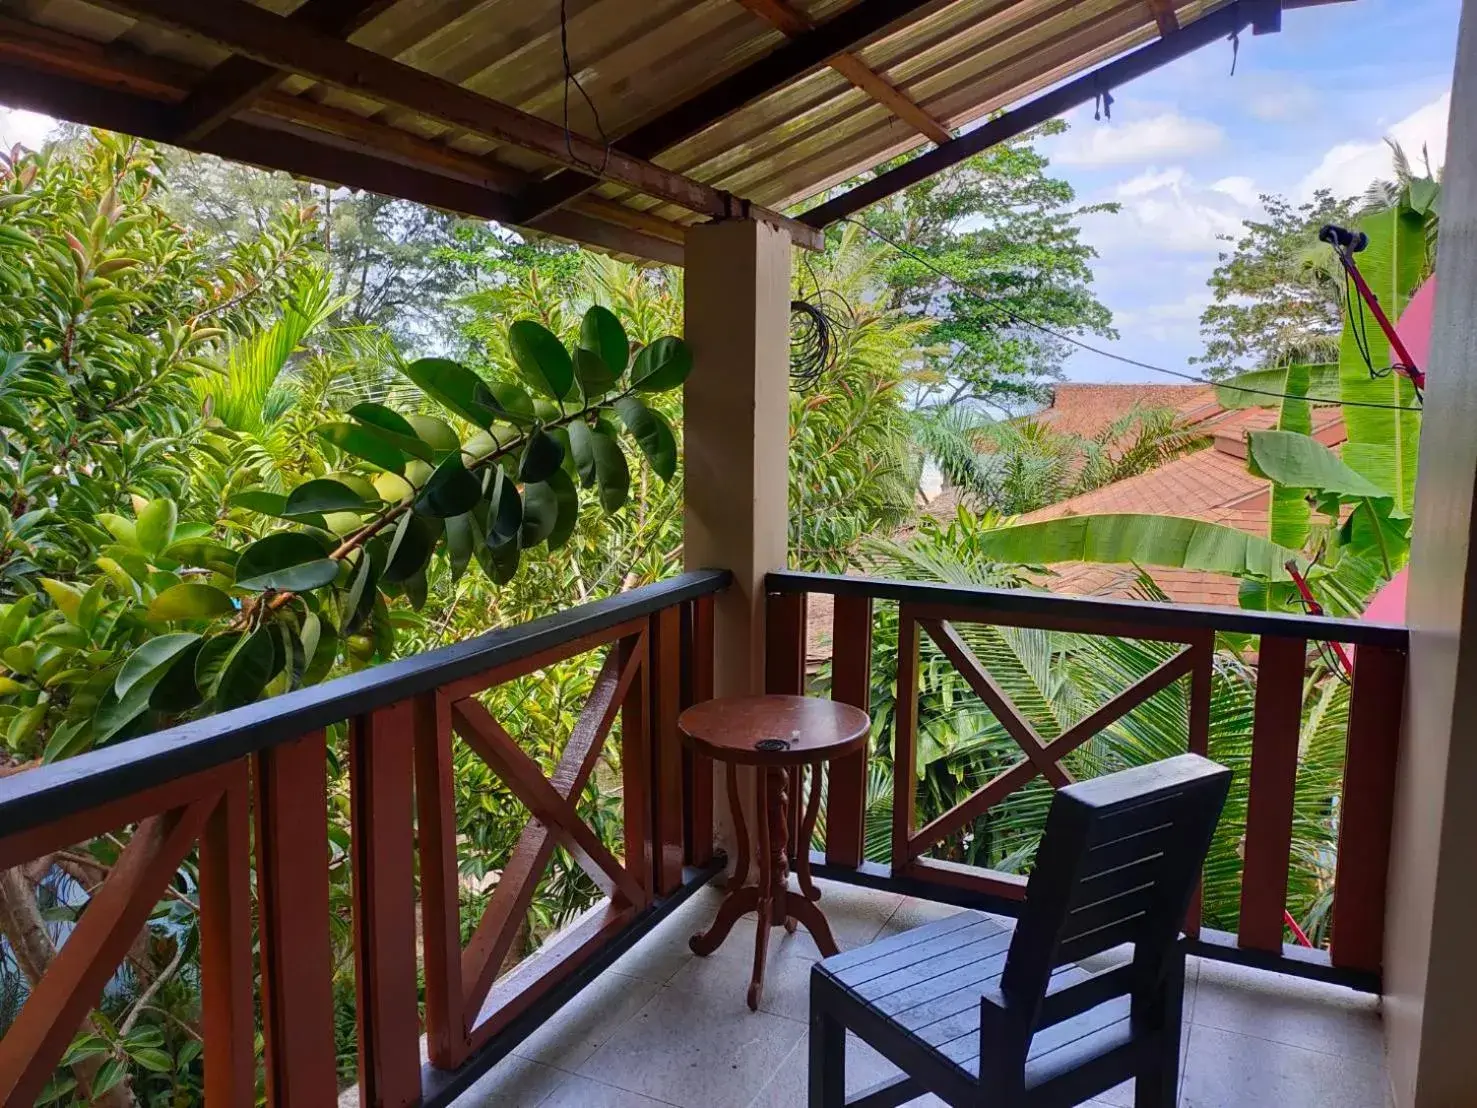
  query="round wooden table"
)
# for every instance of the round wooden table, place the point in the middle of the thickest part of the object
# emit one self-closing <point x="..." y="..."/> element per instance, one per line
<point x="779" y="736"/>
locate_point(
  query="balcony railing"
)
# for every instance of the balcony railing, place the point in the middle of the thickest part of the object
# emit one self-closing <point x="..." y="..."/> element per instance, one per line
<point x="934" y="612"/>
<point x="243" y="799"/>
<point x="245" y="796"/>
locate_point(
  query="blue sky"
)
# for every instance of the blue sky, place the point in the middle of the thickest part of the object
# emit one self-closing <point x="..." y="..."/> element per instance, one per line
<point x="1190" y="148"/>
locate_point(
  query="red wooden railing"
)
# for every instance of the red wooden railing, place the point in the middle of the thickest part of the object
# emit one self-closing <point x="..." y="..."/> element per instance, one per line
<point x="932" y="611"/>
<point x="259" y="774"/>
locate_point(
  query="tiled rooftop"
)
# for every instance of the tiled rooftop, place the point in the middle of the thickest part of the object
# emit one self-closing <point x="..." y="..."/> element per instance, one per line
<point x="665" y="1029"/>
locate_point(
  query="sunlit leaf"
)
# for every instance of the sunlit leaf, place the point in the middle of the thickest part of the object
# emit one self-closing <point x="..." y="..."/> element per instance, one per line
<point x="541" y="358"/>
<point x="363" y="443"/>
<point x="190" y="600"/>
<point x="154" y="654"/>
<point x="154" y="527"/>
<point x="323" y="495"/>
<point x="662" y="365"/>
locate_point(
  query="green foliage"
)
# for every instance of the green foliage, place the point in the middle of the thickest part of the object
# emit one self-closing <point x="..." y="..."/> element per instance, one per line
<point x="1278" y="294"/>
<point x="999" y="223"/>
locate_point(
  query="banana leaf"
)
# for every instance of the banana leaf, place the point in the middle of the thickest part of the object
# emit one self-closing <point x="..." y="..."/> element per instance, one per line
<point x="1257" y="388"/>
<point x="1383" y="444"/>
<point x="1171" y="541"/>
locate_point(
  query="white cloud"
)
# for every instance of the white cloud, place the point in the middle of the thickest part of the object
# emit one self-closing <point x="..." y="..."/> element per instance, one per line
<point x="1349" y="167"/>
<point x="24" y="128"/>
<point x="1138" y="142"/>
<point x="1171" y="321"/>
<point x="1170" y="210"/>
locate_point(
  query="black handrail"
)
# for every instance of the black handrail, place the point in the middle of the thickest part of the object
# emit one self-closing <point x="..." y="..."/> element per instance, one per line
<point x="48" y="793"/>
<point x="1161" y="617"/>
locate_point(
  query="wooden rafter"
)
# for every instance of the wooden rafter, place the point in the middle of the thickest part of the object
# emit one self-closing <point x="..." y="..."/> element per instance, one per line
<point x="237" y="81"/>
<point x="803" y="54"/>
<point x="1163" y="12"/>
<point x="253" y="32"/>
<point x="784" y="16"/>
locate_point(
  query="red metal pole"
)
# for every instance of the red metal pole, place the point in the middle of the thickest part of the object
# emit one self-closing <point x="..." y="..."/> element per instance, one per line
<point x="1406" y="364"/>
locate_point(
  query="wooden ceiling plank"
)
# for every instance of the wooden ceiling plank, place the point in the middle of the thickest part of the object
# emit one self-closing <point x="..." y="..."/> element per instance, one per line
<point x="858" y="25"/>
<point x="253" y="32"/>
<point x="784" y="17"/>
<point x="237" y="81"/>
<point x="1260" y="15"/>
<point x="1163" y="12"/>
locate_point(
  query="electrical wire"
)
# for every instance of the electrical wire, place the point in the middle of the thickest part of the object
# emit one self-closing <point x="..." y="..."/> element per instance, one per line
<point x="570" y="78"/>
<point x="1062" y="336"/>
<point x="814" y="329"/>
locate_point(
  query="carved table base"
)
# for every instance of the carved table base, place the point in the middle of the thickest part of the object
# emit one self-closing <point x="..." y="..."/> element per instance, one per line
<point x="771" y="899"/>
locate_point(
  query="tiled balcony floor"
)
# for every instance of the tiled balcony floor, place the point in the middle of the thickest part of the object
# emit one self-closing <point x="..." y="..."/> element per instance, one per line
<point x="663" y="1028"/>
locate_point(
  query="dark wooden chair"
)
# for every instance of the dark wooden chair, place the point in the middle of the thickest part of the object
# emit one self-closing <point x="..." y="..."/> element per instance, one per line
<point x="982" y="1013"/>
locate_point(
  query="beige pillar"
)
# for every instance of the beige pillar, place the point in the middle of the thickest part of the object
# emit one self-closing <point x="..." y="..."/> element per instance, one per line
<point x="735" y="438"/>
<point x="1430" y="974"/>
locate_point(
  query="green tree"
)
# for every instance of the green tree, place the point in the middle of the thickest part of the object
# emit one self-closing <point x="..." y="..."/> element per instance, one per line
<point x="1277" y="293"/>
<point x="997" y="223"/>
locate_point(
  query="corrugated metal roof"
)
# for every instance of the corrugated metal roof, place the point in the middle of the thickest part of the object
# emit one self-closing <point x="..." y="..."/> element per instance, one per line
<point x="947" y="61"/>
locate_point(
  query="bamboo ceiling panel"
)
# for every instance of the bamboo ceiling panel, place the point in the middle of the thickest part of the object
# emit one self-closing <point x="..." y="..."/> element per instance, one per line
<point x="701" y="101"/>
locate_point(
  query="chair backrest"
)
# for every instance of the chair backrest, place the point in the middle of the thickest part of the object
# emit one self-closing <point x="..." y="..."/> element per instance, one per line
<point x="1118" y="864"/>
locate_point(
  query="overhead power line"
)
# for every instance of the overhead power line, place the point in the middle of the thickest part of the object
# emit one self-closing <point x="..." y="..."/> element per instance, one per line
<point x="1022" y="321"/>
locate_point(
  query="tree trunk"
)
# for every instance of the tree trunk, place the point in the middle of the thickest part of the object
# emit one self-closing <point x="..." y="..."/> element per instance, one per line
<point x="21" y="923"/>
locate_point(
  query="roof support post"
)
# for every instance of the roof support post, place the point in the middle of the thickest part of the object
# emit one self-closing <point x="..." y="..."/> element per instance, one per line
<point x="736" y="420"/>
<point x="735" y="443"/>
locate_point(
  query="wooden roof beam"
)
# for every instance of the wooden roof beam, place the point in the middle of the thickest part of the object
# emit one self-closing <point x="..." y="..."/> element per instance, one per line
<point x="1261" y="15"/>
<point x="237" y="81"/>
<point x="1163" y="12"/>
<point x="855" y="27"/>
<point x="784" y="16"/>
<point x="253" y="32"/>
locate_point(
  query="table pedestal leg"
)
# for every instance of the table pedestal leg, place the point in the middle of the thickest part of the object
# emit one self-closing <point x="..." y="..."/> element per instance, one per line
<point x="771" y="900"/>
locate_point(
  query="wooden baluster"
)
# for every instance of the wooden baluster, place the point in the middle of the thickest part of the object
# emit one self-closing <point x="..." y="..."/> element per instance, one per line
<point x="851" y="683"/>
<point x="784" y="647"/>
<point x="446" y="1028"/>
<point x="381" y="765"/>
<point x="699" y="656"/>
<point x="1274" y="764"/>
<point x="226" y="1009"/>
<point x="905" y="741"/>
<point x="296" y="950"/>
<point x="1367" y="812"/>
<point x="636" y="762"/>
<point x="1202" y="647"/>
<point x="666" y="674"/>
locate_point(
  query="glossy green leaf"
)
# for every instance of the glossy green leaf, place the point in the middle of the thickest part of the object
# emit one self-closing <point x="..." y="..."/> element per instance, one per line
<point x="124" y="530"/>
<point x="451" y="490"/>
<point x="582" y="450"/>
<point x="154" y="527"/>
<point x="360" y="599"/>
<point x="541" y="457"/>
<point x="601" y="334"/>
<point x="612" y="475"/>
<point x="190" y="600"/>
<point x="323" y="495"/>
<point x="364" y="443"/>
<point x="277" y="551"/>
<point x="500" y="563"/>
<point x="177" y="690"/>
<point x="259" y="500"/>
<point x="594" y="376"/>
<point x="509" y="402"/>
<point x="387" y="419"/>
<point x="541" y="358"/>
<point x="204" y="553"/>
<point x="320" y="648"/>
<point x="67" y="598"/>
<point x="303" y="577"/>
<point x="662" y="365"/>
<point x="154" y="654"/>
<point x="1263" y="388"/>
<point x="410" y="547"/>
<point x="246" y="672"/>
<point x="212" y="658"/>
<point x="455" y="387"/>
<point x="462" y="539"/>
<point x="435" y="433"/>
<point x="652" y="432"/>
<point x="568" y="501"/>
<point x="540" y="513"/>
<point x="505" y="511"/>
